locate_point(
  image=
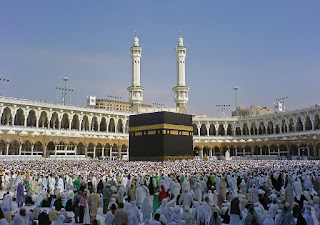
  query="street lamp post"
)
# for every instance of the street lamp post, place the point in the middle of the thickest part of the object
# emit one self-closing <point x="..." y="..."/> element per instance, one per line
<point x="235" y="98"/>
<point x="5" y="86"/>
<point x="64" y="90"/>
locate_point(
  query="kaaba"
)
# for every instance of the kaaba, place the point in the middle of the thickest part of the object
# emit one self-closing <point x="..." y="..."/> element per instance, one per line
<point x="159" y="136"/>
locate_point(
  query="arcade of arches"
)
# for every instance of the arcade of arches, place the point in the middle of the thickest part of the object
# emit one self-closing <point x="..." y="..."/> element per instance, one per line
<point x="15" y="145"/>
<point x="298" y="148"/>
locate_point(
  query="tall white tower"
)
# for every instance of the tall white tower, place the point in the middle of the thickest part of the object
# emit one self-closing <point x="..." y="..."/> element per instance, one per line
<point x="181" y="90"/>
<point x="135" y="90"/>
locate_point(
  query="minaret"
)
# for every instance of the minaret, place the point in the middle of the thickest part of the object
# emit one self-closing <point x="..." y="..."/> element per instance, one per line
<point x="135" y="90"/>
<point x="181" y="90"/>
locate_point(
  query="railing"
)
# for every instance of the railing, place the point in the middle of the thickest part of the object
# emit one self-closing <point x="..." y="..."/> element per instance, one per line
<point x="20" y="157"/>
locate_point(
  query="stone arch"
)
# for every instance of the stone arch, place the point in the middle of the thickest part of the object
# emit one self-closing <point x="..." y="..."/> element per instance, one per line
<point x="277" y="129"/>
<point x="107" y="149"/>
<point x="94" y="123"/>
<point x="19" y="118"/>
<point x="232" y="151"/>
<point x="14" y="148"/>
<point x="206" y="151"/>
<point x="203" y="130"/>
<point x="65" y="121"/>
<point x="245" y="129"/>
<point x="103" y="124"/>
<point x="85" y="123"/>
<point x="112" y="127"/>
<point x="270" y="127"/>
<point x="229" y="130"/>
<point x="307" y="123"/>
<point x="253" y="129"/>
<point x="212" y="130"/>
<point x="217" y="151"/>
<point x="81" y="149"/>
<point x="238" y="131"/>
<point x="6" y="117"/>
<point x="247" y="150"/>
<point x="196" y="150"/>
<point x="31" y="119"/>
<point x="256" y="150"/>
<point x="54" y="123"/>
<point x="195" y="129"/>
<point x="265" y="150"/>
<point x="283" y="150"/>
<point x="291" y="125"/>
<point x="71" y="146"/>
<point x="75" y="124"/>
<point x="318" y="151"/>
<point x="120" y="126"/>
<point x="311" y="150"/>
<point x="262" y="128"/>
<point x="3" y="147"/>
<point x="115" y="149"/>
<point x="60" y="146"/>
<point x="294" y="150"/>
<point x="221" y="130"/>
<point x="38" y="148"/>
<point x="99" y="150"/>
<point x="284" y="128"/>
<point x="51" y="148"/>
<point x="316" y="122"/>
<point x="43" y="120"/>
<point x="299" y="126"/>
<point x="90" y="150"/>
<point x="273" y="149"/>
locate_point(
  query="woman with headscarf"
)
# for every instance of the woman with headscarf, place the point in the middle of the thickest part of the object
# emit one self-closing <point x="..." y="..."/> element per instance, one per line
<point x="84" y="209"/>
<point x="176" y="215"/>
<point x="162" y="194"/>
<point x="20" y="195"/>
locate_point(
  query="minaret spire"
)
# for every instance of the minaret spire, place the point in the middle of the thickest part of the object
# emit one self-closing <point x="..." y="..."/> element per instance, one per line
<point x="181" y="90"/>
<point x="135" y="90"/>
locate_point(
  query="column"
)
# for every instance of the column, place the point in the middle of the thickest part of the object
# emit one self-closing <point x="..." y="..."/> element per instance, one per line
<point x="102" y="152"/>
<point x="236" y="152"/>
<point x="86" y="150"/>
<point x="70" y="123"/>
<point x="268" y="151"/>
<point x="278" y="151"/>
<point x="298" y="151"/>
<point x="7" y="150"/>
<point x="65" y="150"/>
<point x="94" y="152"/>
<point x="308" y="152"/>
<point x="225" y="127"/>
<point x="261" y="151"/>
<point x="244" y="152"/>
<point x="119" y="152"/>
<point x="55" y="150"/>
<point x="216" y="126"/>
<point x="75" y="150"/>
<point x="208" y="129"/>
<point x="32" y="148"/>
<point x="20" y="147"/>
<point x="110" y="153"/>
<point x="210" y="152"/>
<point x="201" y="154"/>
<point x="44" y="155"/>
<point x="198" y="127"/>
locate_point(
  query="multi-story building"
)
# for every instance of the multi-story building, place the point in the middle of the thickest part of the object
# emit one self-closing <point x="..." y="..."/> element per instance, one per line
<point x="120" y="106"/>
<point x="254" y="110"/>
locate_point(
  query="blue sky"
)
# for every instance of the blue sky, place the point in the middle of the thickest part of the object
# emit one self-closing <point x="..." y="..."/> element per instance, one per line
<point x="269" y="49"/>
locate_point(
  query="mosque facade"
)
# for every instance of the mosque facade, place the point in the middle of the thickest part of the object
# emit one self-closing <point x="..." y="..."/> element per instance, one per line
<point x="33" y="129"/>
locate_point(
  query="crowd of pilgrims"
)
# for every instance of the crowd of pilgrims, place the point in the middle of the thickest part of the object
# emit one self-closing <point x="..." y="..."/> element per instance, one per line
<point x="180" y="192"/>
